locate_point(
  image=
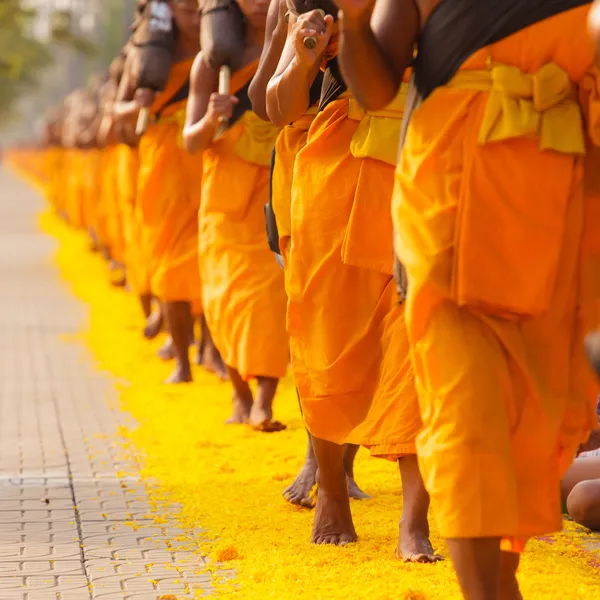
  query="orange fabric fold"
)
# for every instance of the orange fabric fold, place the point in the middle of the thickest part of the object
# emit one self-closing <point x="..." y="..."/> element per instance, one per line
<point x="243" y="286"/>
<point x="349" y="349"/>
<point x="168" y="196"/>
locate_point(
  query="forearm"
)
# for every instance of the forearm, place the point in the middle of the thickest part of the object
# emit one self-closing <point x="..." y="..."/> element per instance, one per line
<point x="365" y="68"/>
<point x="288" y="94"/>
<point x="268" y="66"/>
<point x="199" y="136"/>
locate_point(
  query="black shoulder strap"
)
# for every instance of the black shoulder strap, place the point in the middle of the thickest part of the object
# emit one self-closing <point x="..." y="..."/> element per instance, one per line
<point x="457" y="29"/>
<point x="243" y="104"/>
<point x="181" y="94"/>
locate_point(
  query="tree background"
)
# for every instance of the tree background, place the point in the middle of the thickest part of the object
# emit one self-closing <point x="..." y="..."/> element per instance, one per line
<point x="50" y="47"/>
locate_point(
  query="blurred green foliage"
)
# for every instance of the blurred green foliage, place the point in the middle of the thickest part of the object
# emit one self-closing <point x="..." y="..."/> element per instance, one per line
<point x="23" y="55"/>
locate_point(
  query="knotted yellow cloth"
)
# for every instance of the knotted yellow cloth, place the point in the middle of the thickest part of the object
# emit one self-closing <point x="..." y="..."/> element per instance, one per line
<point x="256" y="140"/>
<point x="542" y="104"/>
<point x="378" y="133"/>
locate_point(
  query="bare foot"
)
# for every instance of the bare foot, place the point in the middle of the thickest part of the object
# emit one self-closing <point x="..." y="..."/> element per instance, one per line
<point x="333" y="520"/>
<point x="241" y="411"/>
<point x="355" y="492"/>
<point x="414" y="546"/>
<point x="166" y="352"/>
<point x="299" y="492"/>
<point x="181" y="374"/>
<point x="261" y="419"/>
<point x="154" y="325"/>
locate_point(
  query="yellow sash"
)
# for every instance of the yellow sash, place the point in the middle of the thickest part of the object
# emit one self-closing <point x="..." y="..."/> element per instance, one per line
<point x="542" y="104"/>
<point x="257" y="139"/>
<point x="378" y="133"/>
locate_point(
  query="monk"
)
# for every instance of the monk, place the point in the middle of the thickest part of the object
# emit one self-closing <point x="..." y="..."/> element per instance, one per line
<point x="73" y="206"/>
<point x="87" y="180"/>
<point x="289" y="142"/>
<point x="136" y="258"/>
<point x="127" y="171"/>
<point x="496" y="328"/>
<point x="243" y="287"/>
<point x="168" y="192"/>
<point x="123" y="112"/>
<point x="346" y="329"/>
<point x="111" y="181"/>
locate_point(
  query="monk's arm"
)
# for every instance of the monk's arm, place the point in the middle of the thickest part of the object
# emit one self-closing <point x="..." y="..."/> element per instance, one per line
<point x="288" y="92"/>
<point x="275" y="36"/>
<point x="594" y="25"/>
<point x="376" y="46"/>
<point x="200" y="125"/>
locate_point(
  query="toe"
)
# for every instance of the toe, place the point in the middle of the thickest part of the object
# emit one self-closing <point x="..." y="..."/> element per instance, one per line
<point x="307" y="502"/>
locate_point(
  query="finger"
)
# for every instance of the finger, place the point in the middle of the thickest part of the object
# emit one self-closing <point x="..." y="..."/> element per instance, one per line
<point x="311" y="17"/>
<point x="316" y="14"/>
<point x="328" y="25"/>
<point x="316" y="21"/>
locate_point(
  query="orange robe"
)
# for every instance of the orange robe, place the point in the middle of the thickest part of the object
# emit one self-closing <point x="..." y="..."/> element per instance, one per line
<point x="242" y="284"/>
<point x="53" y="157"/>
<point x="100" y="212"/>
<point x="92" y="186"/>
<point x="290" y="141"/>
<point x="168" y="196"/>
<point x="74" y="188"/>
<point x="128" y="166"/>
<point x="111" y="210"/>
<point x="350" y="353"/>
<point x="490" y="229"/>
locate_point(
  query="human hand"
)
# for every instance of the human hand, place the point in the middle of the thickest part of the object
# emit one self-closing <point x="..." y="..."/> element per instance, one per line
<point x="220" y="105"/>
<point x="317" y="27"/>
<point x="282" y="20"/>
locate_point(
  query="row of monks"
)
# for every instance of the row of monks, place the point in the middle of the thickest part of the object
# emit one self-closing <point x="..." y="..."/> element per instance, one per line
<point x="273" y="208"/>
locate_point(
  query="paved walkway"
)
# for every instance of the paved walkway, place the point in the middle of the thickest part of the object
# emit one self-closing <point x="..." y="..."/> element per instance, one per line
<point x="70" y="527"/>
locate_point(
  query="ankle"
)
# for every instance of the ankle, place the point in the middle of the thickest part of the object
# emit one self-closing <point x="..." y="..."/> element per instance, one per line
<point x="183" y="363"/>
<point x="414" y="524"/>
<point x="242" y="400"/>
<point x="335" y="485"/>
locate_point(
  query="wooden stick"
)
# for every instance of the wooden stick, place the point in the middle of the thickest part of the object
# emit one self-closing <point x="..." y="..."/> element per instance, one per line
<point x="224" y="90"/>
<point x="310" y="42"/>
<point x="143" y="121"/>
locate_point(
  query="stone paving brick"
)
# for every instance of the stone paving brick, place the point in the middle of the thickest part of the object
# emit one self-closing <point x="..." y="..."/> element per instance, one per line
<point x="72" y="526"/>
